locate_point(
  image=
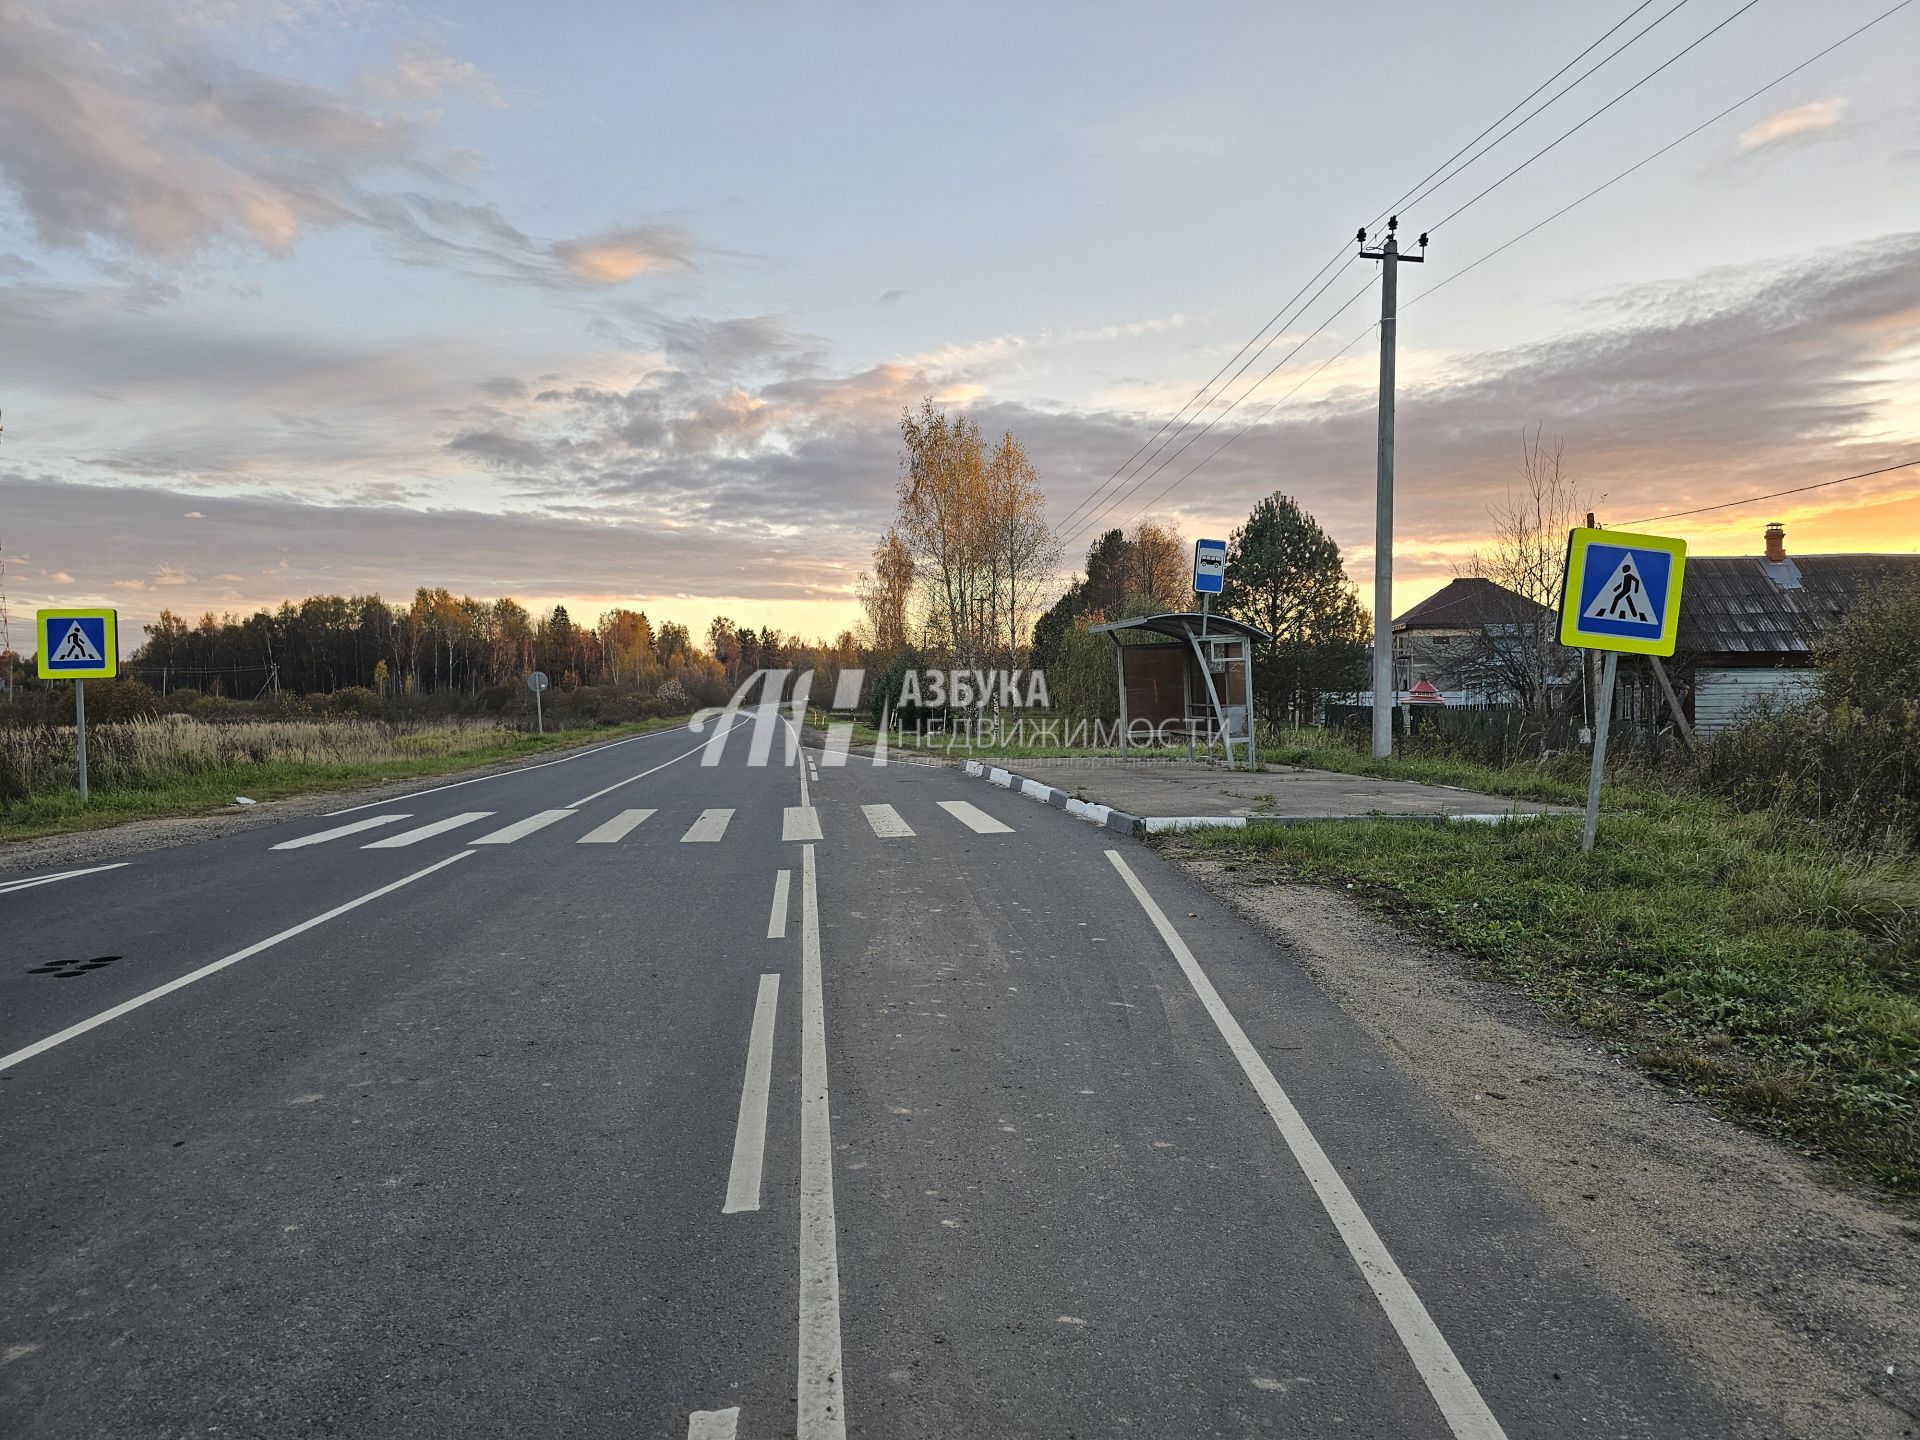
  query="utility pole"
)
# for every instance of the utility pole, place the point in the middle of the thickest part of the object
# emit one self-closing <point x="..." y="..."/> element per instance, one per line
<point x="1383" y="688"/>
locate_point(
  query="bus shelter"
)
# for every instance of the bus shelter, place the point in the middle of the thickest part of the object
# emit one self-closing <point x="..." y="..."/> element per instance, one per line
<point x="1196" y="683"/>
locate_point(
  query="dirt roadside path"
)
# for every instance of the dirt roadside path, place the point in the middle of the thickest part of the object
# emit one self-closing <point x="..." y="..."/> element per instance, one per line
<point x="1798" y="1302"/>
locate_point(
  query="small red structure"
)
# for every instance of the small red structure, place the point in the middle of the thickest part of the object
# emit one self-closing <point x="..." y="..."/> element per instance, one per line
<point x="1423" y="693"/>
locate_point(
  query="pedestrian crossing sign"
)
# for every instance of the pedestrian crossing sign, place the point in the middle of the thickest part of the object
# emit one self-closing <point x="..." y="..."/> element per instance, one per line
<point x="1622" y="592"/>
<point x="78" y="644"/>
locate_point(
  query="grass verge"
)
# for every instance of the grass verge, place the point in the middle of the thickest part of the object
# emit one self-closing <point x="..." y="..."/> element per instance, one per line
<point x="1739" y="956"/>
<point x="214" y="789"/>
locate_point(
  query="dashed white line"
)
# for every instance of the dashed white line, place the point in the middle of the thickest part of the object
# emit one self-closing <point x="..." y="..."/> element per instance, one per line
<point x="320" y="837"/>
<point x="974" y="818"/>
<point x="800" y="822"/>
<point x="427" y="832"/>
<point x="822" y="1410"/>
<point x="886" y="822"/>
<point x="1447" y="1381"/>
<point x="714" y="1424"/>
<point x="777" y="918"/>
<point x="614" y="830"/>
<point x="750" y="1129"/>
<point x="520" y="829"/>
<point x="711" y="825"/>
<point x="30" y="882"/>
<point x="40" y="1047"/>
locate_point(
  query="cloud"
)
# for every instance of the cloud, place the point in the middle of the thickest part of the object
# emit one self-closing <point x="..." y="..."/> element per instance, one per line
<point x="616" y="256"/>
<point x="123" y="135"/>
<point x="1796" y="126"/>
<point x="892" y="297"/>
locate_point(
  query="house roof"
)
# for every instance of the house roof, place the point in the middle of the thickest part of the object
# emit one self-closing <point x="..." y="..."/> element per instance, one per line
<point x="1469" y="604"/>
<point x="1743" y="605"/>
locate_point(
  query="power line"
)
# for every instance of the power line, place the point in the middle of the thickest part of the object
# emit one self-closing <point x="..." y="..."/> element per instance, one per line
<point x="1094" y="495"/>
<point x="1542" y="109"/>
<point x="1671" y="59"/>
<point x="1797" y="490"/>
<point x="1120" y="497"/>
<point x="1649" y="159"/>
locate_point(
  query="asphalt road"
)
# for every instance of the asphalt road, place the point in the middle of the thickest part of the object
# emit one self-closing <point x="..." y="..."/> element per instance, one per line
<point x="628" y="1095"/>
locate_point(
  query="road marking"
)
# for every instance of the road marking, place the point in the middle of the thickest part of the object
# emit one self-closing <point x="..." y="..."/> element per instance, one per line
<point x="608" y="790"/>
<point x="1447" y="1381"/>
<point x="750" y="1130"/>
<point x="800" y="755"/>
<point x="372" y="822"/>
<point x="502" y="774"/>
<point x="711" y="825"/>
<point x="800" y="822"/>
<point x="974" y="818"/>
<point x="777" y="920"/>
<point x="886" y="821"/>
<point x="8" y="887"/>
<point x="615" y="830"/>
<point x="520" y="829"/>
<point x="427" y="832"/>
<point x="823" y="1413"/>
<point x="40" y="1047"/>
<point x="713" y="1424"/>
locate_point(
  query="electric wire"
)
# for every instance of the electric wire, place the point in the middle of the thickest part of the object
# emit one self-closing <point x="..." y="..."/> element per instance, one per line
<point x="1756" y="499"/>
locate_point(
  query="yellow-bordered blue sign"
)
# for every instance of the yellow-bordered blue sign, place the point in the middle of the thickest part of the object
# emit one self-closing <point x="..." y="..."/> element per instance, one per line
<point x="78" y="644"/>
<point x="1622" y="592"/>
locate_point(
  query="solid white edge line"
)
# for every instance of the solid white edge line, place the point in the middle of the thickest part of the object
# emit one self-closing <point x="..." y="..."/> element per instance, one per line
<point x="800" y="756"/>
<point x="777" y="917"/>
<point x="1446" y="1379"/>
<point x="750" y="1127"/>
<point x="822" y="1402"/>
<point x="40" y="1047"/>
<point x="7" y="887"/>
<point x="661" y="766"/>
<point x="501" y="774"/>
<point x="714" y="1424"/>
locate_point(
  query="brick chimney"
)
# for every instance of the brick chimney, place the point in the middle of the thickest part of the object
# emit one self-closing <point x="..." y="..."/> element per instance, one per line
<point x="1776" y="542"/>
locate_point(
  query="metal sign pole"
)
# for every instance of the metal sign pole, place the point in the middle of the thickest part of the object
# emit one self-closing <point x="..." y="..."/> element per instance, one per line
<point x="80" y="729"/>
<point x="1603" y="713"/>
<point x="539" y="713"/>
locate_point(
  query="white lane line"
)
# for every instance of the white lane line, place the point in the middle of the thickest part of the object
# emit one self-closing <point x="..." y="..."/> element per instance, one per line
<point x="886" y="821"/>
<point x="8" y="887"/>
<point x="520" y="829"/>
<point x="750" y="1129"/>
<point x="801" y="756"/>
<point x="714" y="1424"/>
<point x="427" y="832"/>
<point x="823" y="1413"/>
<point x="1447" y="1381"/>
<point x="39" y="1047"/>
<point x="711" y="825"/>
<point x="608" y="790"/>
<point x="503" y="774"/>
<point x="320" y="837"/>
<point x="974" y="818"/>
<point x="777" y="918"/>
<point x="800" y="822"/>
<point x="615" y="830"/>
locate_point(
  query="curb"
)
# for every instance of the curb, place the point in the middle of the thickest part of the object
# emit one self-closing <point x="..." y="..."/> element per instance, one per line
<point x="1103" y="815"/>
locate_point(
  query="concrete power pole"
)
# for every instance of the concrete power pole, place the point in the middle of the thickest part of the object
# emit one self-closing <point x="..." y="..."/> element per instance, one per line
<point x="1383" y="689"/>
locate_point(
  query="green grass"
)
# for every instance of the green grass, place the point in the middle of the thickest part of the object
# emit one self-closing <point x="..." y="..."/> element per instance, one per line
<point x="1737" y="955"/>
<point x="1562" y="780"/>
<point x="214" y="790"/>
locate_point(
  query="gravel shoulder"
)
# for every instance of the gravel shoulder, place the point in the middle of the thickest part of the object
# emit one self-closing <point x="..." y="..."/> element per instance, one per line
<point x="1798" y="1302"/>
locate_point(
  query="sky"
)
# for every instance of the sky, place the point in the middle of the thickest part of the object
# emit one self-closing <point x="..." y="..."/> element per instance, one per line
<point x="619" y="305"/>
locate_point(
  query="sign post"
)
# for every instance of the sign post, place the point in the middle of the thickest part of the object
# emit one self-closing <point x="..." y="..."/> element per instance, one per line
<point x="78" y="645"/>
<point x="537" y="682"/>
<point x="1621" y="593"/>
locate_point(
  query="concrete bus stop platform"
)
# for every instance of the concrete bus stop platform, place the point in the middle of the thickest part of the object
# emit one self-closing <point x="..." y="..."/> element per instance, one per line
<point x="1152" y="796"/>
